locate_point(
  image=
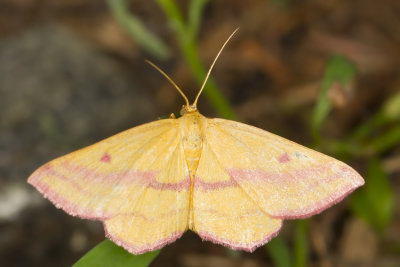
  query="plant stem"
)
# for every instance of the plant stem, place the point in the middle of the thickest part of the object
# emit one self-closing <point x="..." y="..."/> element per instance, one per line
<point x="186" y="36"/>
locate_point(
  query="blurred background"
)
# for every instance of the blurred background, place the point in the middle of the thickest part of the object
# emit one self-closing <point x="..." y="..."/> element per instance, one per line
<point x="323" y="73"/>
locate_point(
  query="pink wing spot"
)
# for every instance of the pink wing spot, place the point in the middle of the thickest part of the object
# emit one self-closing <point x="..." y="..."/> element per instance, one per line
<point x="284" y="158"/>
<point x="106" y="158"/>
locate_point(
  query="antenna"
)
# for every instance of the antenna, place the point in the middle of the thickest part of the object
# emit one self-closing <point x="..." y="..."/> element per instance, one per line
<point x="170" y="80"/>
<point x="194" y="106"/>
<point x="211" y="67"/>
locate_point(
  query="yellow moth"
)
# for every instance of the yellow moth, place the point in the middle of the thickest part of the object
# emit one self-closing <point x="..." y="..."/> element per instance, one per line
<point x="231" y="183"/>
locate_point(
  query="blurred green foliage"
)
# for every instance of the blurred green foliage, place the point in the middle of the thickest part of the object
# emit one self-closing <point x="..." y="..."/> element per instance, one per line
<point x="301" y="243"/>
<point x="135" y="28"/>
<point x="279" y="252"/>
<point x="391" y="109"/>
<point x="108" y="254"/>
<point x="384" y="122"/>
<point x="375" y="201"/>
<point x="339" y="70"/>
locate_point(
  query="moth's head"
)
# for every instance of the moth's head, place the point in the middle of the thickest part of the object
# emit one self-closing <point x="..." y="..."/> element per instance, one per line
<point x="188" y="109"/>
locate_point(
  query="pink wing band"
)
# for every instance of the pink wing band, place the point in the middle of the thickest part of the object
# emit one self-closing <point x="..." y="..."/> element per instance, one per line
<point x="81" y="212"/>
<point x="280" y="181"/>
<point x="75" y="210"/>
<point x="145" y="178"/>
<point x="316" y="208"/>
<point x="237" y="176"/>
<point x="61" y="202"/>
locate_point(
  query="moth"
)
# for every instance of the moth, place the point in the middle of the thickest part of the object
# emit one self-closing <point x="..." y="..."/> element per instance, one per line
<point x="231" y="183"/>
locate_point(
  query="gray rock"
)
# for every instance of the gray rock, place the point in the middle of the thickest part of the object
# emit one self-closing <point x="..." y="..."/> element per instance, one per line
<point x="57" y="94"/>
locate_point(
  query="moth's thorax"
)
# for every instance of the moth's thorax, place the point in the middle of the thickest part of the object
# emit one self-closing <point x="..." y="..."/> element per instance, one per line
<point x="191" y="130"/>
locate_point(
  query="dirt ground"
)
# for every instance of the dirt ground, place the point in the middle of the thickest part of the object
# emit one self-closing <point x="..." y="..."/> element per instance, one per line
<point x="70" y="76"/>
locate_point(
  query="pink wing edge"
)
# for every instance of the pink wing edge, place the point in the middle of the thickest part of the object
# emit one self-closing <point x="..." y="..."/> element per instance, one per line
<point x="76" y="211"/>
<point x="354" y="181"/>
<point x="208" y="236"/>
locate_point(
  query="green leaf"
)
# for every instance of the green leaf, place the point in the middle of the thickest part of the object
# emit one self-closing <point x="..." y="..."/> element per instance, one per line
<point x="385" y="141"/>
<point x="368" y="127"/>
<point x="389" y="113"/>
<point x="109" y="254"/>
<point x="175" y="17"/>
<point x="339" y="69"/>
<point x="375" y="201"/>
<point x="137" y="30"/>
<point x="196" y="8"/>
<point x="301" y="243"/>
<point x="279" y="252"/>
<point x="392" y="107"/>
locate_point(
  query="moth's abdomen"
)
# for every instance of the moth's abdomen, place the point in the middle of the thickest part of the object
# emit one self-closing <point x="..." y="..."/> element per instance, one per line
<point x="191" y="127"/>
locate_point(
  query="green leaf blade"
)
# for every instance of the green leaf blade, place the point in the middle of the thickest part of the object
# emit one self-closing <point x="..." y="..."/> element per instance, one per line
<point x="301" y="243"/>
<point x="375" y="201"/>
<point x="109" y="254"/>
<point x="339" y="70"/>
<point x="196" y="8"/>
<point x="137" y="30"/>
<point x="279" y="252"/>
